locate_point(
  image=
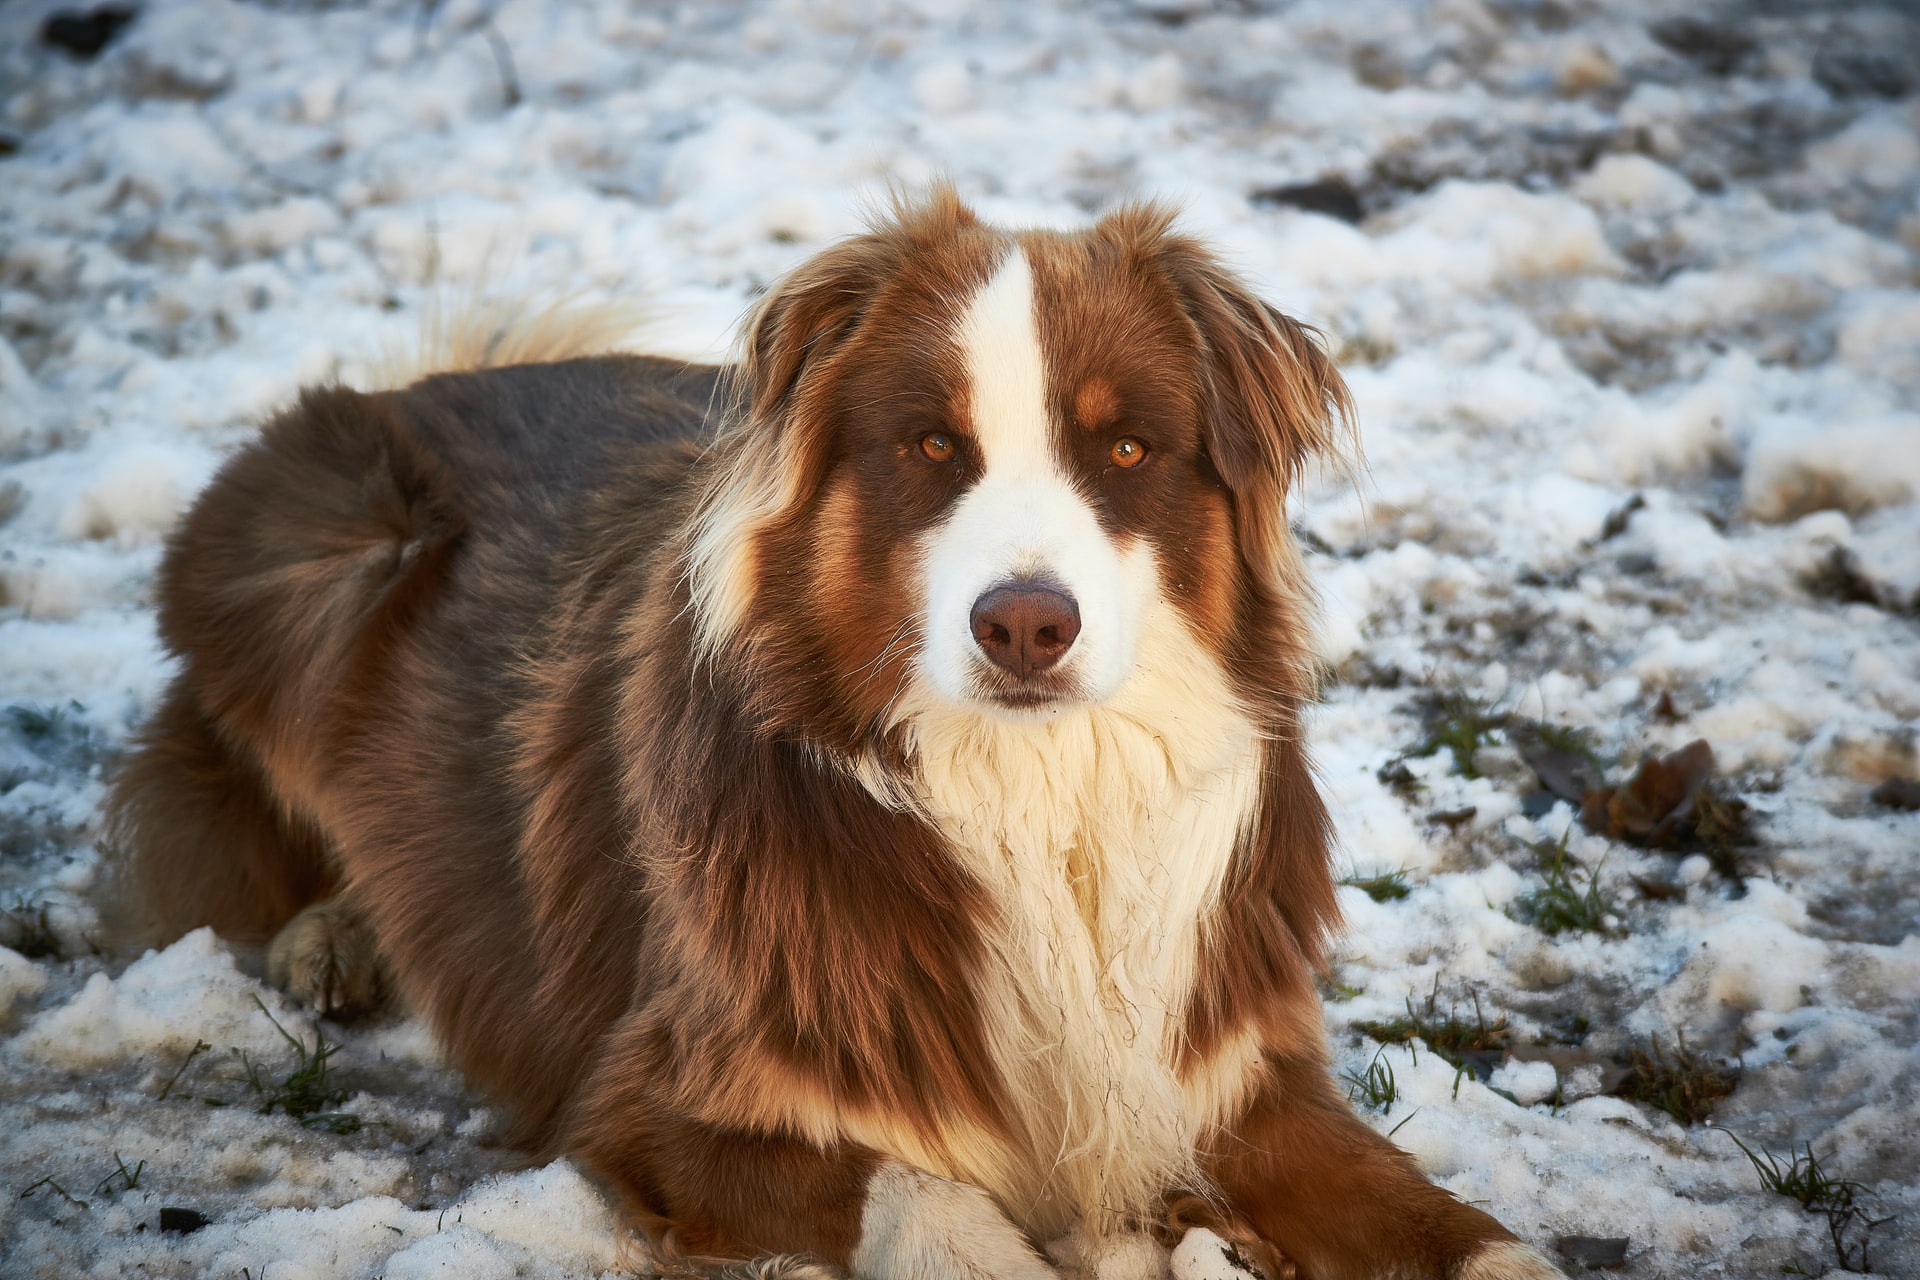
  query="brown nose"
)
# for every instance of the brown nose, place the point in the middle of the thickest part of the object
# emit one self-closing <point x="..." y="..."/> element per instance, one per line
<point x="1025" y="627"/>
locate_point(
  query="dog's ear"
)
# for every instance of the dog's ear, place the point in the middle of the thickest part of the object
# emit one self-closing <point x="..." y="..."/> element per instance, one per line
<point x="803" y="318"/>
<point x="769" y="453"/>
<point x="1272" y="399"/>
<point x="806" y="315"/>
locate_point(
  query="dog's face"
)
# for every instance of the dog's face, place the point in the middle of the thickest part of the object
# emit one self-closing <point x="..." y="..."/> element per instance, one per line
<point x="980" y="462"/>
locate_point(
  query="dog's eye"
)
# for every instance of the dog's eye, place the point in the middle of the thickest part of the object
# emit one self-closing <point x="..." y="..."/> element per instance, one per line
<point x="938" y="446"/>
<point x="1127" y="452"/>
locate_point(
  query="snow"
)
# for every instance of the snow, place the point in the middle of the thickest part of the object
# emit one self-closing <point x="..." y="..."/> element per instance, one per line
<point x="148" y="1008"/>
<point x="1636" y="346"/>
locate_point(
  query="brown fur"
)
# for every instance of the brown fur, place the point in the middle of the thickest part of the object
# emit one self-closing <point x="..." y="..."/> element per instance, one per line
<point x="442" y="657"/>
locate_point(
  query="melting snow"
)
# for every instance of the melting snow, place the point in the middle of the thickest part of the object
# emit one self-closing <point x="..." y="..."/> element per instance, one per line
<point x="1632" y="321"/>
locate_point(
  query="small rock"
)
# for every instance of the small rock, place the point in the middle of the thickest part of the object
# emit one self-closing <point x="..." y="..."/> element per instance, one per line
<point x="1594" y="1252"/>
<point x="1565" y="774"/>
<point x="182" y="1221"/>
<point x="1897" y="793"/>
<point x="1714" y="47"/>
<point x="1538" y="803"/>
<point x="1584" y="68"/>
<point x="84" y="33"/>
<point x="1330" y="196"/>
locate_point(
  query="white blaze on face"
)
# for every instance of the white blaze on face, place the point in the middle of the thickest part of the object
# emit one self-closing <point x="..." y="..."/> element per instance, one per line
<point x="1024" y="519"/>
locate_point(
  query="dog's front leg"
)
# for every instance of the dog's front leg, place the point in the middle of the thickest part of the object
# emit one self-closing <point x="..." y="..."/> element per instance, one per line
<point x="1343" y="1202"/>
<point x="705" y="1192"/>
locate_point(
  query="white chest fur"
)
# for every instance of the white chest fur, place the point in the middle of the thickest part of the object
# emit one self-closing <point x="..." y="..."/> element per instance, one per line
<point x="1103" y="835"/>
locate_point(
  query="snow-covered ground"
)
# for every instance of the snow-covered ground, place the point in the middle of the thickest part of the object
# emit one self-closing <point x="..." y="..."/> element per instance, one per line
<point x="1631" y="315"/>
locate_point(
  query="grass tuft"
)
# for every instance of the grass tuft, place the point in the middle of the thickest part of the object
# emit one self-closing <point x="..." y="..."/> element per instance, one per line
<point x="1684" y="1084"/>
<point x="1375" y="1087"/>
<point x="1459" y="725"/>
<point x="1723" y="832"/>
<point x="199" y="1047"/>
<point x="57" y="1189"/>
<point x="304" y="1093"/>
<point x="129" y="1179"/>
<point x="1570" y="739"/>
<point x="37" y="724"/>
<point x="27" y="928"/>
<point x="1560" y="905"/>
<point x="1390" y="886"/>
<point x="1467" y="1045"/>
<point x="1801" y="1179"/>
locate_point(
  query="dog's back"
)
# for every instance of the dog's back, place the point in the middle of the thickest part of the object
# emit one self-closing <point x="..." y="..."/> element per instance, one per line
<point x="373" y="559"/>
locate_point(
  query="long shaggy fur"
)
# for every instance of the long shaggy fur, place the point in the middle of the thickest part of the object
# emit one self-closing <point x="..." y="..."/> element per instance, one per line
<point x="618" y="724"/>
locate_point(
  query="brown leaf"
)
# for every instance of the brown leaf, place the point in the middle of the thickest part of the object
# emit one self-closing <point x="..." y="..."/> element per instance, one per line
<point x="1657" y="798"/>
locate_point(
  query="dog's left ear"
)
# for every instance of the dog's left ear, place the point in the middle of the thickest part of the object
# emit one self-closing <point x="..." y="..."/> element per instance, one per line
<point x="1272" y="398"/>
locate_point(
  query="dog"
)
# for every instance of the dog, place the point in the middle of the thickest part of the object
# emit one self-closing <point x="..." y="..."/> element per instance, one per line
<point x="853" y="801"/>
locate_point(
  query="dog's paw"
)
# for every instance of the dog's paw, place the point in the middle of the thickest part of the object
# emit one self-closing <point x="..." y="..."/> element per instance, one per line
<point x="920" y="1227"/>
<point x="326" y="957"/>
<point x="1507" y="1260"/>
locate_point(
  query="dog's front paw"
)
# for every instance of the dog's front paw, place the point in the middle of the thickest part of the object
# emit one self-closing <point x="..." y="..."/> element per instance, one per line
<point x="326" y="957"/>
<point x="1507" y="1260"/>
<point x="920" y="1227"/>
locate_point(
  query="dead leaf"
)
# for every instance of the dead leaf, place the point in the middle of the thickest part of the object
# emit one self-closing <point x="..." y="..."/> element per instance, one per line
<point x="1657" y="799"/>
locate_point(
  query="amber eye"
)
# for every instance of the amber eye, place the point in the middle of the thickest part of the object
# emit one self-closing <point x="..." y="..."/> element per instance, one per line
<point x="938" y="446"/>
<point x="1127" y="452"/>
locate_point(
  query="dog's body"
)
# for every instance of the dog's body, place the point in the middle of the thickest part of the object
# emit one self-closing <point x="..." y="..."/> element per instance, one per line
<point x="879" y="829"/>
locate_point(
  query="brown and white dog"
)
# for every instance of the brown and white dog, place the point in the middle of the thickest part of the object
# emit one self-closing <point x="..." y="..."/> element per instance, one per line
<point x="868" y="820"/>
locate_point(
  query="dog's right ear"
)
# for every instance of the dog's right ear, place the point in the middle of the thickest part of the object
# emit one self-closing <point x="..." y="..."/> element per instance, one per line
<point x="766" y="458"/>
<point x="770" y="453"/>
<point x="807" y="315"/>
<point x="798" y="323"/>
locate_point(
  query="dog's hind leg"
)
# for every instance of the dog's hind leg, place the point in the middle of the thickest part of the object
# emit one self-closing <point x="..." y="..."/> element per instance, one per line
<point x="199" y="840"/>
<point x="328" y="958"/>
<point x="283" y="589"/>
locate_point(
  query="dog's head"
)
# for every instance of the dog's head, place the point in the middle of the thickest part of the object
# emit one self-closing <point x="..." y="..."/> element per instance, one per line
<point x="978" y="462"/>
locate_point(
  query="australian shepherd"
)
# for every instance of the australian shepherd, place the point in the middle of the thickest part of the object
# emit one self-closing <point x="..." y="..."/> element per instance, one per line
<point x="852" y="801"/>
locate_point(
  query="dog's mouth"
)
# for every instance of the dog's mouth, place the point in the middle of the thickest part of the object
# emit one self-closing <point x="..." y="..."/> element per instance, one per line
<point x="1038" y="694"/>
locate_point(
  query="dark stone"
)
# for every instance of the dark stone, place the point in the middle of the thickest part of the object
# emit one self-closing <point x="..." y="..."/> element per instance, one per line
<point x="1452" y="818"/>
<point x="1897" y="793"/>
<point x="1567" y="775"/>
<point x="1714" y="47"/>
<point x="1593" y="1251"/>
<point x="84" y="33"/>
<point x="1864" y="72"/>
<point x="1621" y="516"/>
<point x="182" y="1221"/>
<point x="1330" y="196"/>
